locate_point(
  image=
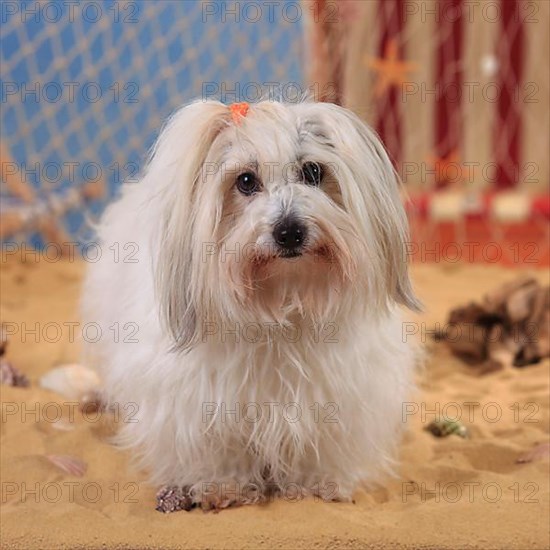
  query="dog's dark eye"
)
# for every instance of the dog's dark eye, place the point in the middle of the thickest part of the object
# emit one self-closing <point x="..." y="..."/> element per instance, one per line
<point x="248" y="183"/>
<point x="313" y="173"/>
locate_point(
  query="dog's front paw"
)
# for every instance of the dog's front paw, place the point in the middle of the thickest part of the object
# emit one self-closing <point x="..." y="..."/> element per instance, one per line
<point x="227" y="494"/>
<point x="173" y="499"/>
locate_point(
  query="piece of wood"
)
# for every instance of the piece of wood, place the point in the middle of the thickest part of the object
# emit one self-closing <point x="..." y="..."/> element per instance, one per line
<point x="510" y="327"/>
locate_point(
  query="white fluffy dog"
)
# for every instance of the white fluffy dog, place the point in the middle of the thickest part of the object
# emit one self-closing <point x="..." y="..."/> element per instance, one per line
<point x="248" y="295"/>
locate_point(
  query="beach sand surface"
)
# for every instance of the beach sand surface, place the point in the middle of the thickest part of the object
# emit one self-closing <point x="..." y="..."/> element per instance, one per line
<point x="451" y="493"/>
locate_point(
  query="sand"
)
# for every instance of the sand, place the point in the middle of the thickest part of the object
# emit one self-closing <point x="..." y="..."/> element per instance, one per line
<point x="451" y="493"/>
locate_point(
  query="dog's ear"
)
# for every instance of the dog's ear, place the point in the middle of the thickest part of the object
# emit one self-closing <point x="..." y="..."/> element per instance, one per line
<point x="385" y="215"/>
<point x="177" y="169"/>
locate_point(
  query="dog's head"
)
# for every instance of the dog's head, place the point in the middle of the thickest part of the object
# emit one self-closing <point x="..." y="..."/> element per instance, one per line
<point x="274" y="212"/>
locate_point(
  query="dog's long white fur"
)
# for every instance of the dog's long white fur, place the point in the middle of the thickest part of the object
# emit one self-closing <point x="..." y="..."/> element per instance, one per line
<point x="323" y="400"/>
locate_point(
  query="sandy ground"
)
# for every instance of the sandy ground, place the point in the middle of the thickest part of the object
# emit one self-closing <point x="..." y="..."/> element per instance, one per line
<point x="452" y="493"/>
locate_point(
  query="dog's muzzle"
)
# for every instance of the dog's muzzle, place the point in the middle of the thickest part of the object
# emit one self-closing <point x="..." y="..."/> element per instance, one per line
<point x="290" y="235"/>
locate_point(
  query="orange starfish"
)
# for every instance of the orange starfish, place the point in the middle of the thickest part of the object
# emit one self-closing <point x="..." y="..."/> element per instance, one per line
<point x="449" y="169"/>
<point x="391" y="71"/>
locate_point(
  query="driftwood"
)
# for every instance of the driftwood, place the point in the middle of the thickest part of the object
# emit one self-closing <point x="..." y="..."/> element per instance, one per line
<point x="511" y="326"/>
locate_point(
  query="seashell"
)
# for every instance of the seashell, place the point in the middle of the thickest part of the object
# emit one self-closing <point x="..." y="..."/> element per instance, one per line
<point x="10" y="376"/>
<point x="73" y="382"/>
<point x="63" y="425"/>
<point x="445" y="427"/>
<point x="57" y="425"/>
<point x="173" y="499"/>
<point x="3" y="340"/>
<point x="539" y="452"/>
<point x="69" y="464"/>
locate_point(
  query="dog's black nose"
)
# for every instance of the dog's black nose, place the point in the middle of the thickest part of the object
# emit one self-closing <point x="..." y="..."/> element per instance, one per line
<point x="290" y="234"/>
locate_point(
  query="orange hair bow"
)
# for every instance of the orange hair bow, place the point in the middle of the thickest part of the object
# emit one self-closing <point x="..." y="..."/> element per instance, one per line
<point x="239" y="110"/>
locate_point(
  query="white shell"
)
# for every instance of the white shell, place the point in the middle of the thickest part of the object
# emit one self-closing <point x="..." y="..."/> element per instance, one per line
<point x="63" y="425"/>
<point x="69" y="464"/>
<point x="72" y="381"/>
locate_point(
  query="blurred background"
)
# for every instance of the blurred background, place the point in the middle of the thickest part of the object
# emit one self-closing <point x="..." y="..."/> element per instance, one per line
<point x="457" y="90"/>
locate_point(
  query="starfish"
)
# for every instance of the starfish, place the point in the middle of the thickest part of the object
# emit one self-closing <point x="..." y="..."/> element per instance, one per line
<point x="391" y="71"/>
<point x="449" y="168"/>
